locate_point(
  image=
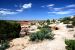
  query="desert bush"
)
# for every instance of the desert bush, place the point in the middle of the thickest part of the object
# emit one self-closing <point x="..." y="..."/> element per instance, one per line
<point x="66" y="20"/>
<point x="41" y="35"/>
<point x="48" y="22"/>
<point x="49" y="36"/>
<point x="45" y="26"/>
<point x="73" y="23"/>
<point x="4" y="45"/>
<point x="69" y="26"/>
<point x="9" y="30"/>
<point x="70" y="44"/>
<point x="39" y="27"/>
<point x="45" y="30"/>
<point x="36" y="36"/>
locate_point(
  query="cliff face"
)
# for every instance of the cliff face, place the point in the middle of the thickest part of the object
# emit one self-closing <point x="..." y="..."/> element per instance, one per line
<point x="24" y="23"/>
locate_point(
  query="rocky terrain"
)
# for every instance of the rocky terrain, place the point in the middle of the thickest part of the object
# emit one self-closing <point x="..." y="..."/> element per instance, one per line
<point x="56" y="44"/>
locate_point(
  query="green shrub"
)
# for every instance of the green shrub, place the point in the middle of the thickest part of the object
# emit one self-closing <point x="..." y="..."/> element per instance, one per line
<point x="39" y="27"/>
<point x="49" y="36"/>
<point x="69" y="26"/>
<point x="41" y="35"/>
<point x="66" y="20"/>
<point x="9" y="29"/>
<point x="70" y="44"/>
<point x="36" y="36"/>
<point x="45" y="26"/>
<point x="4" y="45"/>
<point x="48" y="22"/>
<point x="73" y="23"/>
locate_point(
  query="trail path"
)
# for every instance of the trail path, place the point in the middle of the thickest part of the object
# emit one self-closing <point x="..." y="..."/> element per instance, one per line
<point x="56" y="44"/>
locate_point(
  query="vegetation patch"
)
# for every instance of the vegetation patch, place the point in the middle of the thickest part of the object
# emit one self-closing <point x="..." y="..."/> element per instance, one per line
<point x="9" y="29"/>
<point x="73" y="23"/>
<point x="4" y="45"/>
<point x="44" y="33"/>
<point x="70" y="44"/>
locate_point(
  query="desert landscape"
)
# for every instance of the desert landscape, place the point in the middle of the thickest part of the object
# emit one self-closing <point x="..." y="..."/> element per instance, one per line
<point x="37" y="24"/>
<point x="31" y="37"/>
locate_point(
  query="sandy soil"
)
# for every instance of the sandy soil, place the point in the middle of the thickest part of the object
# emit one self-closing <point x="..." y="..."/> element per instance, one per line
<point x="56" y="44"/>
<point x="19" y="43"/>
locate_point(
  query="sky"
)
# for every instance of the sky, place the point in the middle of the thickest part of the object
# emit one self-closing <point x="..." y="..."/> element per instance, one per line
<point x="36" y="9"/>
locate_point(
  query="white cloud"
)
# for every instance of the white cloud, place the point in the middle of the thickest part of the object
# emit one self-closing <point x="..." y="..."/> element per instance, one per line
<point x="16" y="5"/>
<point x="9" y="11"/>
<point x="19" y="10"/>
<point x="57" y="9"/>
<point x="63" y="8"/>
<point x="72" y="5"/>
<point x="50" y="5"/>
<point x="29" y="5"/>
<point x="69" y="9"/>
<point x="43" y="6"/>
<point x="63" y="12"/>
<point x="4" y="9"/>
<point x="3" y="12"/>
<point x="24" y="6"/>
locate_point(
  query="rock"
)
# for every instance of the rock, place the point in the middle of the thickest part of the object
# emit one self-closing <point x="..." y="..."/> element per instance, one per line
<point x="18" y="44"/>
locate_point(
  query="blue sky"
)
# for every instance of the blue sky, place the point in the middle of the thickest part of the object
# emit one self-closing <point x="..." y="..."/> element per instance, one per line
<point x="36" y="9"/>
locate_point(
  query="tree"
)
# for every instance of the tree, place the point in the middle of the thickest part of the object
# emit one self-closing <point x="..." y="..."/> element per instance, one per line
<point x="48" y="22"/>
<point x="73" y="23"/>
<point x="66" y="20"/>
<point x="9" y="29"/>
<point x="53" y="20"/>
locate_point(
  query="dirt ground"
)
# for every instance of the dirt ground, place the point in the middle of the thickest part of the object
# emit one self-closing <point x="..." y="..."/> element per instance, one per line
<point x="56" y="44"/>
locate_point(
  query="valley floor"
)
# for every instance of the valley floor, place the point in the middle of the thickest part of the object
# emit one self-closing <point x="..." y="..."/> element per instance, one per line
<point x="56" y="44"/>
